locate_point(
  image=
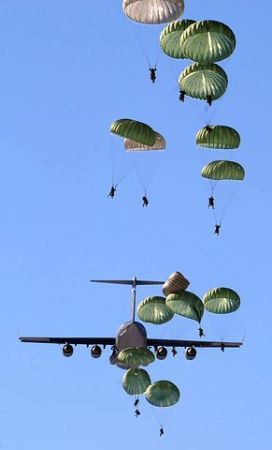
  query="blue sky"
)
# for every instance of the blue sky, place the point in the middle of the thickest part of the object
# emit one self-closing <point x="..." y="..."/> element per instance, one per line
<point x="68" y="69"/>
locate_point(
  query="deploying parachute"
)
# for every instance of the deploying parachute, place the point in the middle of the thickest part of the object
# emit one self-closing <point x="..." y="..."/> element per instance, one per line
<point x="162" y="393"/>
<point x="170" y="38"/>
<point x="207" y="41"/>
<point x="153" y="11"/>
<point x="218" y="136"/>
<point x="176" y="282"/>
<point x="136" y="381"/>
<point x="204" y="81"/>
<point x="154" y="310"/>
<point x="221" y="300"/>
<point x="186" y="304"/>
<point x="223" y="170"/>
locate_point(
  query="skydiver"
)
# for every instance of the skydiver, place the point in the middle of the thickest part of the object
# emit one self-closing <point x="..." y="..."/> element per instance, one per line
<point x="161" y="431"/>
<point x="182" y="95"/>
<point x="145" y="200"/>
<point x="209" y="100"/>
<point x="208" y="128"/>
<point x="211" y="202"/>
<point x="201" y="332"/>
<point x="153" y="74"/>
<point x="137" y="413"/>
<point x="136" y="402"/>
<point x="217" y="229"/>
<point x="174" y="351"/>
<point x="112" y="191"/>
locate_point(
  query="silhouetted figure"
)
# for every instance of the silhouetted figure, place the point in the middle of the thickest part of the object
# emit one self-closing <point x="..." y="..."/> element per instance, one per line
<point x="201" y="332"/>
<point x="211" y="202"/>
<point x="152" y="71"/>
<point x="174" y="351"/>
<point x="161" y="431"/>
<point x="145" y="200"/>
<point x="209" y="100"/>
<point x="136" y="402"/>
<point x="112" y="191"/>
<point x="217" y="229"/>
<point x="137" y="413"/>
<point x="208" y="128"/>
<point x="182" y="95"/>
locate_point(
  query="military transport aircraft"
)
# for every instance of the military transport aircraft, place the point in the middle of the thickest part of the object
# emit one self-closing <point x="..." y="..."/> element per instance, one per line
<point x="130" y="334"/>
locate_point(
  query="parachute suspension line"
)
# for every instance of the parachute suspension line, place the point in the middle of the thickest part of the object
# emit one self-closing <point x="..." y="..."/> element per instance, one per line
<point x="221" y="333"/>
<point x="160" y="421"/>
<point x="112" y="165"/>
<point x="140" y="178"/>
<point x="128" y="171"/>
<point x="139" y="43"/>
<point x="226" y="208"/>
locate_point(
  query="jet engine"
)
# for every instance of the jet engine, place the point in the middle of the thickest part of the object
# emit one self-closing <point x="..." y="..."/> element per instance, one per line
<point x="96" y="351"/>
<point x="67" y="350"/>
<point x="161" y="353"/>
<point x="190" y="353"/>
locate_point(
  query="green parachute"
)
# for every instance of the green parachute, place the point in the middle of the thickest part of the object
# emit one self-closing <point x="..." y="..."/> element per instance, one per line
<point x="153" y="11"/>
<point x="134" y="130"/>
<point x="136" y="381"/>
<point x="162" y="394"/>
<point x="170" y="38"/>
<point x="134" y="357"/>
<point x="207" y="41"/>
<point x="204" y="81"/>
<point x="186" y="304"/>
<point x="154" y="310"/>
<point x="221" y="300"/>
<point x="218" y="136"/>
<point x="223" y="170"/>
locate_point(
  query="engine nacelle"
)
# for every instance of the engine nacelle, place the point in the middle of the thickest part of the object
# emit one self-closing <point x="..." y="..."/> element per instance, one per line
<point x="190" y="353"/>
<point x="96" y="351"/>
<point x="67" y="350"/>
<point x="161" y="353"/>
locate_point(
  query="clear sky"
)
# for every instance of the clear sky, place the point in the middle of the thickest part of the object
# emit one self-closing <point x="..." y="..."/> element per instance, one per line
<point x="68" y="69"/>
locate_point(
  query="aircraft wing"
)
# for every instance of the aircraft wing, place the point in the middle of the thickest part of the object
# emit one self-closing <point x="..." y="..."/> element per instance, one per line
<point x="70" y="340"/>
<point x="189" y="343"/>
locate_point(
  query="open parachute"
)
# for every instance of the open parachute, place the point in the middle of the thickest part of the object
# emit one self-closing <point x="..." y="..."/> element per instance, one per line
<point x="221" y="300"/>
<point x="170" y="38"/>
<point x="218" y="136"/>
<point x="223" y="170"/>
<point x="207" y="41"/>
<point x="153" y="11"/>
<point x="203" y="81"/>
<point x="162" y="394"/>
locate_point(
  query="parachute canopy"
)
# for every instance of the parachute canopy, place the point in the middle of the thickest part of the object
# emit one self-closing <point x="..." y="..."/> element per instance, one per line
<point x="133" y="357"/>
<point x="170" y="38"/>
<point x="134" y="130"/>
<point x="176" y="282"/>
<point x="186" y="304"/>
<point x="207" y="41"/>
<point x="221" y="300"/>
<point x="153" y="11"/>
<point x="159" y="144"/>
<point x="154" y="310"/>
<point x="203" y="81"/>
<point x="136" y="381"/>
<point x="162" y="393"/>
<point x="218" y="136"/>
<point x="223" y="170"/>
